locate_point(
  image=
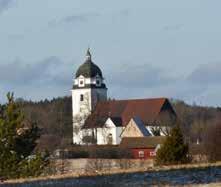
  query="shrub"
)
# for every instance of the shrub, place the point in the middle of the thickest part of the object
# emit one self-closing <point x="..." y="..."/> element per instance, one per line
<point x="17" y="142"/>
<point x="174" y="150"/>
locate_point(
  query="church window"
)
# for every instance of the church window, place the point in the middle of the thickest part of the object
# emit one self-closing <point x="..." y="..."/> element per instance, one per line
<point x="98" y="82"/>
<point x="81" y="97"/>
<point x="110" y="139"/>
<point x="81" y="82"/>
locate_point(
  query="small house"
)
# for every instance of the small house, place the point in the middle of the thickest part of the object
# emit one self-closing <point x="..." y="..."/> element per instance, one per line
<point x="143" y="147"/>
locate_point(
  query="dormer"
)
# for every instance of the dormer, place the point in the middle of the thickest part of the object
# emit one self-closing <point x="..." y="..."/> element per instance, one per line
<point x="98" y="80"/>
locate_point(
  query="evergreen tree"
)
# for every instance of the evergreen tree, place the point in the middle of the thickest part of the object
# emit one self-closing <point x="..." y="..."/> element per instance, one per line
<point x="174" y="150"/>
<point x="17" y="142"/>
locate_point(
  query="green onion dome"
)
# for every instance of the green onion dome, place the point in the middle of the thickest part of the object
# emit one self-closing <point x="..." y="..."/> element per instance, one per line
<point x="88" y="69"/>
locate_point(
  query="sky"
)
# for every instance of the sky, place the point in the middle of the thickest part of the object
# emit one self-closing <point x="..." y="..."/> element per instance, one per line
<point x="145" y="48"/>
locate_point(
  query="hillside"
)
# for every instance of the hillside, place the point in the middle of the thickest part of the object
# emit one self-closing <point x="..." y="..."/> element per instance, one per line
<point x="55" y="120"/>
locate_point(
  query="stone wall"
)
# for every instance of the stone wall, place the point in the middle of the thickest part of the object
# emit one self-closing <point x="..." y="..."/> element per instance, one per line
<point x="94" y="165"/>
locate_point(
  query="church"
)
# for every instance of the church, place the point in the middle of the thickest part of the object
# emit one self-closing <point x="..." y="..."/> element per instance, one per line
<point x="99" y="120"/>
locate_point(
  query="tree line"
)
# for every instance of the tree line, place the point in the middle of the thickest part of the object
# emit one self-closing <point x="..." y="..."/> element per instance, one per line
<point x="28" y="129"/>
<point x="198" y="124"/>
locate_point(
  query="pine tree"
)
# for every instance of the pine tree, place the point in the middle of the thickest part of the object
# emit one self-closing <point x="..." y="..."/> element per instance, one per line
<point x="174" y="150"/>
<point x="17" y="141"/>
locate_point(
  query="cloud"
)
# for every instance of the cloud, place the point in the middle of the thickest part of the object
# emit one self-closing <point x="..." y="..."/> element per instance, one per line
<point x="5" y="4"/>
<point x="173" y="27"/>
<point x="52" y="77"/>
<point x="28" y="73"/>
<point x="15" y="37"/>
<point x="138" y="76"/>
<point x="138" y="81"/>
<point x="124" y="12"/>
<point x="73" y="19"/>
<point x="48" y="78"/>
<point x="143" y="81"/>
<point x="202" y="86"/>
<point x="206" y="74"/>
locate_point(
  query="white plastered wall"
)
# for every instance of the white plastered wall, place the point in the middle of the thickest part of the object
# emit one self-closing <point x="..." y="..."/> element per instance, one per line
<point x="82" y="109"/>
<point x="109" y="128"/>
<point x="87" y="80"/>
<point x="76" y="103"/>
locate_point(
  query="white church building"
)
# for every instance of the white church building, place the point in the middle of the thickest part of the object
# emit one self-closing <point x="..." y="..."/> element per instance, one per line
<point x="97" y="120"/>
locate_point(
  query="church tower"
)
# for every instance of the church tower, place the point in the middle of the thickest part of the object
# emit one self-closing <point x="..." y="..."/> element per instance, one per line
<point x="88" y="89"/>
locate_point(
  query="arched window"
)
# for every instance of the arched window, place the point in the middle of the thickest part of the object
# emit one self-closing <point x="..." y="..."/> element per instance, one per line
<point x="98" y="82"/>
<point x="81" y="97"/>
<point x="81" y="82"/>
<point x="110" y="139"/>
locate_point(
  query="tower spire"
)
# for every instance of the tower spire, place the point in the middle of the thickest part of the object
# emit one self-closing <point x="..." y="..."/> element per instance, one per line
<point x="88" y="54"/>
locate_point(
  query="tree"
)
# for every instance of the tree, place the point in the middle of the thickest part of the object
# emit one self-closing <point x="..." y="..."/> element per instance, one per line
<point x="17" y="142"/>
<point x="54" y="118"/>
<point x="174" y="150"/>
<point x="212" y="141"/>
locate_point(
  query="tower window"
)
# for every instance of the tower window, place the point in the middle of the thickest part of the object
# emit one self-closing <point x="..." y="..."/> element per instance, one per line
<point x="98" y="82"/>
<point x="81" y="97"/>
<point x="81" y="82"/>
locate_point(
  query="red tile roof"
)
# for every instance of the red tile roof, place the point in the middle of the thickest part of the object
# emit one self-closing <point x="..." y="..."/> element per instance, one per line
<point x="146" y="109"/>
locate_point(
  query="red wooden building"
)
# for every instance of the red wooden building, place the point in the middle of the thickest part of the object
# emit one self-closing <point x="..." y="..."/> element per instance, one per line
<point x="143" y="147"/>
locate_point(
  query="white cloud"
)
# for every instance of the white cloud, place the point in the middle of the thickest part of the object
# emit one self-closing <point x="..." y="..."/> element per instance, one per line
<point x="206" y="74"/>
<point x="201" y="86"/>
<point x="73" y="19"/>
<point x="52" y="77"/>
<point x="5" y="4"/>
<point x="48" y="78"/>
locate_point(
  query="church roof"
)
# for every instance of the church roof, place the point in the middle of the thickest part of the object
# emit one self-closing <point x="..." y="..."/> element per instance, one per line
<point x="146" y="109"/>
<point x="142" y="142"/>
<point x="88" y="69"/>
<point x="117" y="121"/>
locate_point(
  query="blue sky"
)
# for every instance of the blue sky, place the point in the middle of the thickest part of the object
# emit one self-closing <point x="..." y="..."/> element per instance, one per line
<point x="145" y="48"/>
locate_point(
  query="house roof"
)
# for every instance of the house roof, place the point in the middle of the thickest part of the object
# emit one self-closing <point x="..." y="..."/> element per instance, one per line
<point x="141" y="126"/>
<point x="146" y="109"/>
<point x="136" y="121"/>
<point x="142" y="142"/>
<point x="117" y="121"/>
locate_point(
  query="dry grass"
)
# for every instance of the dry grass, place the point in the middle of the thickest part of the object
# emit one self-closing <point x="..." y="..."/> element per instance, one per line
<point x="204" y="185"/>
<point x="115" y="171"/>
<point x="195" y="185"/>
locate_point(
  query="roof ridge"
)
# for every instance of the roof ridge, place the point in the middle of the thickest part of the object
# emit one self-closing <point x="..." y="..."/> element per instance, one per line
<point x="127" y="100"/>
<point x="147" y="137"/>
